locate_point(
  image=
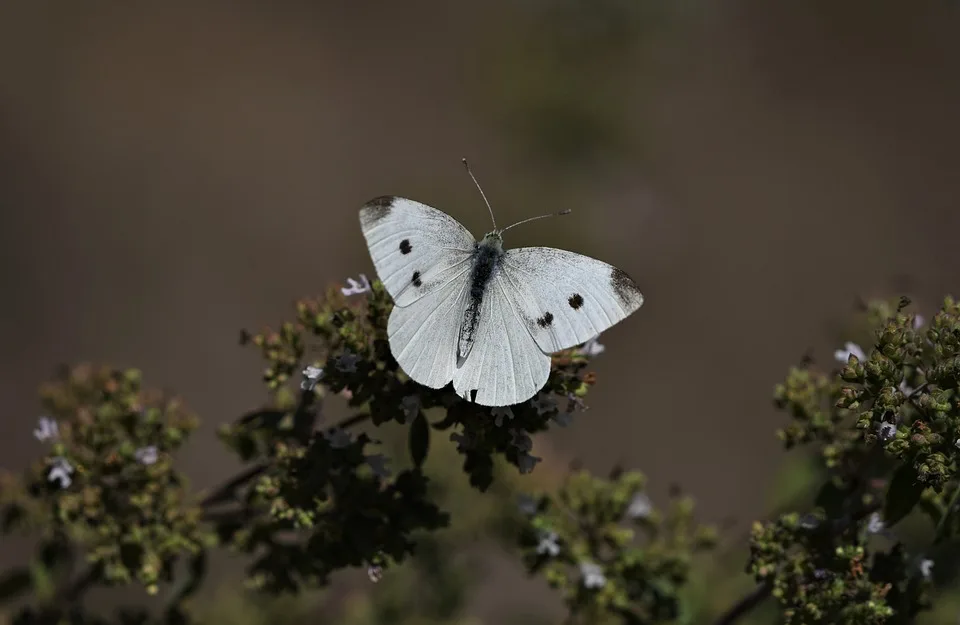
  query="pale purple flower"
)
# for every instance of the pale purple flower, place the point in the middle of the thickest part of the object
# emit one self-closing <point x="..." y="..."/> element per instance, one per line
<point x="886" y="430"/>
<point x="593" y="576"/>
<point x="311" y="375"/>
<point x="526" y="462"/>
<point x="499" y="413"/>
<point x="338" y="438"/>
<point x="640" y="507"/>
<point x="347" y="362"/>
<point x="527" y="505"/>
<point x="375" y="573"/>
<point x="378" y="462"/>
<point x="548" y="545"/>
<point x="926" y="568"/>
<point x="146" y="455"/>
<point x="410" y="406"/>
<point x="543" y="404"/>
<point x="46" y="429"/>
<point x="918" y="321"/>
<point x="809" y="521"/>
<point x="592" y="348"/>
<point x="875" y="524"/>
<point x="849" y="349"/>
<point x="60" y="471"/>
<point x="356" y="288"/>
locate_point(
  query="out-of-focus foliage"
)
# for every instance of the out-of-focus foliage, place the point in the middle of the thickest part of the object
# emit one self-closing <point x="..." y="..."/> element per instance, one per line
<point x="311" y="501"/>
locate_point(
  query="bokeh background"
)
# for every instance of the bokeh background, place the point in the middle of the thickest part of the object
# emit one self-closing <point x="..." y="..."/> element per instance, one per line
<point x="172" y="172"/>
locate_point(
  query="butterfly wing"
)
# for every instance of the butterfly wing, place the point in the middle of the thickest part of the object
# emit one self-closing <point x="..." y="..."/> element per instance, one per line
<point x="563" y="298"/>
<point x="423" y="335"/>
<point x="415" y="248"/>
<point x="505" y="365"/>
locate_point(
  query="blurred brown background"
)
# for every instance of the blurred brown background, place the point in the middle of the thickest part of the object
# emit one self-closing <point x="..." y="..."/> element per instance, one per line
<point x="170" y="173"/>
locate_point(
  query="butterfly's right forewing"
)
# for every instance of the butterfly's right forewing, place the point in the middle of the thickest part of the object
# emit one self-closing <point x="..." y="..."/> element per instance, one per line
<point x="416" y="249"/>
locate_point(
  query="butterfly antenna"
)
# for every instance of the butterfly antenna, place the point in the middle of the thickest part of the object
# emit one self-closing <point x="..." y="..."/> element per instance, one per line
<point x="482" y="194"/>
<point x="563" y="212"/>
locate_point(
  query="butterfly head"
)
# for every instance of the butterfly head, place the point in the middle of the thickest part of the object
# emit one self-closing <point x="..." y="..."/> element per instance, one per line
<point x="492" y="240"/>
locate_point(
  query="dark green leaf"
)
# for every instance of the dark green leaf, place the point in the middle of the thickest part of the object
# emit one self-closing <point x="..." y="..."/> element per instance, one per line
<point x="419" y="439"/>
<point x="831" y="498"/>
<point x="902" y="495"/>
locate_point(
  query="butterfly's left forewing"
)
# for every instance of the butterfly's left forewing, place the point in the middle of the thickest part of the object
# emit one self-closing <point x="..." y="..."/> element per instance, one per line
<point x="564" y="298"/>
<point x="415" y="248"/>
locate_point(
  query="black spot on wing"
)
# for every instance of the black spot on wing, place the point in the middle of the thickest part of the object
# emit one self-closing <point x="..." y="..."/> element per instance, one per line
<point x="405" y="247"/>
<point x="575" y="301"/>
<point x="416" y="279"/>
<point x="376" y="209"/>
<point x="626" y="289"/>
<point x="545" y="320"/>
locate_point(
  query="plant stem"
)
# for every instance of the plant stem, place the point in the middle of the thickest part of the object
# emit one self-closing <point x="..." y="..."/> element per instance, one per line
<point x="746" y="603"/>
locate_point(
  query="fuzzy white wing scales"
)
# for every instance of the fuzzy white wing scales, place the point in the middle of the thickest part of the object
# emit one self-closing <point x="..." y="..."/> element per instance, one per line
<point x="415" y="248"/>
<point x="505" y="366"/>
<point x="565" y="298"/>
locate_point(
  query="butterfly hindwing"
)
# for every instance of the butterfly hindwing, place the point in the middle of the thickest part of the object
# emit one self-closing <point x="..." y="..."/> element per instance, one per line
<point x="423" y="335"/>
<point x="415" y="248"/>
<point x="505" y="366"/>
<point x="564" y="298"/>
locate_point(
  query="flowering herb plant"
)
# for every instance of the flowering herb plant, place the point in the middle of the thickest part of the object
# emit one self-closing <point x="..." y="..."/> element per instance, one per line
<point x="109" y="507"/>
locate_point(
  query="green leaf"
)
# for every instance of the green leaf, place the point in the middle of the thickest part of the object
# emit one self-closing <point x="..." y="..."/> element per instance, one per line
<point x="831" y="498"/>
<point x="419" y="439"/>
<point x="14" y="583"/>
<point x="902" y="495"/>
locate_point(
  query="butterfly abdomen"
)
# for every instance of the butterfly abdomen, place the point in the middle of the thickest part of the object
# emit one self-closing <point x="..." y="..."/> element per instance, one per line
<point x="486" y="259"/>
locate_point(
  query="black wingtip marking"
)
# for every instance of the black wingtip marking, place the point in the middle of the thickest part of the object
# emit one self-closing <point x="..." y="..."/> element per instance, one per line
<point x="626" y="289"/>
<point x="575" y="301"/>
<point x="405" y="247"/>
<point x="545" y="320"/>
<point x="376" y="209"/>
<point x="416" y="279"/>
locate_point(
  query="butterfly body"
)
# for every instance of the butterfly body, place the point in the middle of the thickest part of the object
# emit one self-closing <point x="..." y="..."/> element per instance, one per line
<point x="478" y="315"/>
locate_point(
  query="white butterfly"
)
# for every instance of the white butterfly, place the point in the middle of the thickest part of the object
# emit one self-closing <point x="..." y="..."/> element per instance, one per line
<point x="485" y="318"/>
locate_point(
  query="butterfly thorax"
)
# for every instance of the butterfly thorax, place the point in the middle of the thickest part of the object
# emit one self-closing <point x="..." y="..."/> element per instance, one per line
<point x="486" y="260"/>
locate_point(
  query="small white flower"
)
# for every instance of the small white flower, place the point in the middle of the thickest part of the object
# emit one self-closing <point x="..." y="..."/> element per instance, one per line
<point x="548" y="545"/>
<point x="820" y="573"/>
<point x="356" y="288"/>
<point x="918" y="321"/>
<point x="146" y="455"/>
<point x="543" y="404"/>
<point x="527" y="505"/>
<point x="375" y="573"/>
<point x="347" y="362"/>
<point x="886" y="430"/>
<point x="956" y="443"/>
<point x="593" y="576"/>
<point x="378" y="462"/>
<point x="61" y="472"/>
<point x="640" y="507"/>
<point x="499" y="413"/>
<point x="849" y="349"/>
<point x="338" y="438"/>
<point x="905" y="388"/>
<point x="592" y="348"/>
<point x="410" y="405"/>
<point x="311" y="375"/>
<point x="926" y="568"/>
<point x="46" y="429"/>
<point x="875" y="525"/>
